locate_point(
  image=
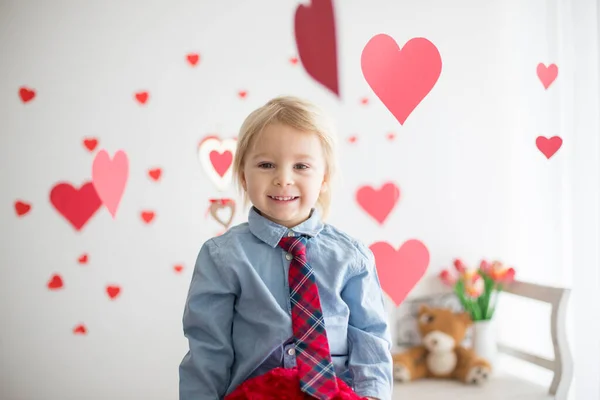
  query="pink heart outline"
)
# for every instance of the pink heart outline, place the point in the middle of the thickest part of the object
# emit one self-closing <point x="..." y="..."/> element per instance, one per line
<point x="110" y="178"/>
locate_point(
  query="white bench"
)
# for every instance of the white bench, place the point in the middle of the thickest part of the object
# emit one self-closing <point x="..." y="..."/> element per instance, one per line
<point x="503" y="384"/>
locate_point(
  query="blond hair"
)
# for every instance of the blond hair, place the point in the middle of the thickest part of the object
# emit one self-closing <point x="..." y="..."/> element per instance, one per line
<point x="296" y="113"/>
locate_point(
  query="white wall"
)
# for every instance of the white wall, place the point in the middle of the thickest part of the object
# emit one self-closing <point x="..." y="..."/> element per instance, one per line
<point x="472" y="182"/>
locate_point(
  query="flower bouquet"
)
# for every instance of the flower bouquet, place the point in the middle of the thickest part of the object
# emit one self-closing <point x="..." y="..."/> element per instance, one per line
<point x="478" y="289"/>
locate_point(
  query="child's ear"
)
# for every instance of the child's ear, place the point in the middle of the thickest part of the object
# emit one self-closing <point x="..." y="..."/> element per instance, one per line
<point x="243" y="181"/>
<point x="325" y="185"/>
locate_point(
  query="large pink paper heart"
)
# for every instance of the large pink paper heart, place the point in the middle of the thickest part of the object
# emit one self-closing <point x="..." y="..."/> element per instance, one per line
<point x="110" y="177"/>
<point x="314" y="29"/>
<point x="400" y="270"/>
<point x="401" y="78"/>
<point x="378" y="203"/>
<point x="547" y="75"/>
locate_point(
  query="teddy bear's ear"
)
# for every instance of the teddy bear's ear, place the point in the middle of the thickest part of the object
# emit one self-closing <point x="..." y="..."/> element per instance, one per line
<point x="465" y="317"/>
<point x="423" y="308"/>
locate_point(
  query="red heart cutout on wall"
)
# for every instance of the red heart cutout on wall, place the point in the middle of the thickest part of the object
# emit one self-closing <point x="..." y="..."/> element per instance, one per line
<point x="400" y="270"/>
<point x="26" y="94"/>
<point x="80" y="330"/>
<point x="142" y="97"/>
<point x="147" y="216"/>
<point x="76" y="205"/>
<point x="548" y="147"/>
<point x="221" y="161"/>
<point x="178" y="268"/>
<point x="547" y="75"/>
<point x="113" y="291"/>
<point x="378" y="203"/>
<point x="401" y="78"/>
<point x="155" y="173"/>
<point x="83" y="259"/>
<point x="314" y="30"/>
<point x="22" y="208"/>
<point x="55" y="282"/>
<point x="193" y="58"/>
<point x="90" y="144"/>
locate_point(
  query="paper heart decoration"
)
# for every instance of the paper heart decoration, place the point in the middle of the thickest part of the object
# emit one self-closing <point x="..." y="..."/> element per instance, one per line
<point x="193" y="58"/>
<point x="80" y="330"/>
<point x="76" y="205"/>
<point x="26" y="94"/>
<point x="314" y="31"/>
<point x="216" y="157"/>
<point x="147" y="216"/>
<point x="90" y="143"/>
<point x="222" y="204"/>
<point x="113" y="291"/>
<point x="22" y="208"/>
<point x="401" y="78"/>
<point x="155" y="173"/>
<point x="178" y="268"/>
<point x="55" y="282"/>
<point x="548" y="147"/>
<point x="83" y="259"/>
<point x="110" y="177"/>
<point x="547" y="75"/>
<point x="378" y="203"/>
<point x="400" y="270"/>
<point x="142" y="97"/>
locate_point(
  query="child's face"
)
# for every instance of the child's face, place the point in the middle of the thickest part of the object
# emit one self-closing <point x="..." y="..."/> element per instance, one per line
<point x="284" y="173"/>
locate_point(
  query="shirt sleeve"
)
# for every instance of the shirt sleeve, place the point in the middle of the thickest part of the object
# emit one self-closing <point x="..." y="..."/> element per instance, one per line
<point x="369" y="338"/>
<point x="204" y="373"/>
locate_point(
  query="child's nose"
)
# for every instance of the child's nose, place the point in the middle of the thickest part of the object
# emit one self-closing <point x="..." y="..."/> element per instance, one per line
<point x="283" y="179"/>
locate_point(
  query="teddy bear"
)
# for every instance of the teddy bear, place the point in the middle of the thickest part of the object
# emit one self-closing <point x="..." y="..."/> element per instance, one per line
<point x="440" y="354"/>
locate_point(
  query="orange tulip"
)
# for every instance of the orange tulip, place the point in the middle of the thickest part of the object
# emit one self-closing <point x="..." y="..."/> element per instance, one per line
<point x="474" y="284"/>
<point x="500" y="273"/>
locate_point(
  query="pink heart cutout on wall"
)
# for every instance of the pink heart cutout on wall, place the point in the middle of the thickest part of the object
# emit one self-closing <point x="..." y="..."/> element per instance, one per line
<point x="110" y="178"/>
<point x="401" y="78"/>
<point x="548" y="147"/>
<point x="216" y="157"/>
<point x="378" y="203"/>
<point x="547" y="75"/>
<point x="400" y="270"/>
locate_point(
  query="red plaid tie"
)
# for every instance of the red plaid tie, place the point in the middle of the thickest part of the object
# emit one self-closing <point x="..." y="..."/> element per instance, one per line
<point x="315" y="369"/>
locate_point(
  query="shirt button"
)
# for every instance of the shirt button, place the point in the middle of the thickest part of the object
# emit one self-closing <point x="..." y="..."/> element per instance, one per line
<point x="290" y="234"/>
<point x="291" y="351"/>
<point x="289" y="256"/>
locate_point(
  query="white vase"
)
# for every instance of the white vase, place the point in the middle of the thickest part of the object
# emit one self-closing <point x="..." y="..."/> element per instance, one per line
<point x="485" y="344"/>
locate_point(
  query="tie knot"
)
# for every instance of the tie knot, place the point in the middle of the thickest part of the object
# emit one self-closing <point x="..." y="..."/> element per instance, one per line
<point x="294" y="245"/>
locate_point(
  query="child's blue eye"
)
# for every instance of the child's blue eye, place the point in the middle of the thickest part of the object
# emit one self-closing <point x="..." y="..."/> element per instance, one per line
<point x="301" y="166"/>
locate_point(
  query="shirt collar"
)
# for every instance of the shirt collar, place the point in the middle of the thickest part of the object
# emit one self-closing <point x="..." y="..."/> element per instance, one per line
<point x="271" y="232"/>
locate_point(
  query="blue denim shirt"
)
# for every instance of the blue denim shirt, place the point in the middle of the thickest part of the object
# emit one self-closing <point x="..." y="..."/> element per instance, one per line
<point x="237" y="313"/>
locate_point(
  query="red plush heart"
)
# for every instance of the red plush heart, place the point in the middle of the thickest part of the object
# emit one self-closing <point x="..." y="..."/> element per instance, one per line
<point x="378" y="203"/>
<point x="26" y="94"/>
<point x="55" y="282"/>
<point x="76" y="205"/>
<point x="142" y="97"/>
<point x="401" y="78"/>
<point x="314" y="30"/>
<point x="400" y="270"/>
<point x="548" y="147"/>
<point x="221" y="161"/>
<point x="22" y="208"/>
<point x="113" y="291"/>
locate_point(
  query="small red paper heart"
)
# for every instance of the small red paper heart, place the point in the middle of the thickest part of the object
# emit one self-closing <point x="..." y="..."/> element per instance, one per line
<point x="294" y="60"/>
<point x="83" y="259"/>
<point x="147" y="216"/>
<point x="22" y="208"/>
<point x="113" y="291"/>
<point x="90" y="143"/>
<point x="76" y="205"/>
<point x="547" y="75"/>
<point x="364" y="101"/>
<point x="548" y="147"/>
<point x="400" y="270"/>
<point x="378" y="203"/>
<point x="142" y="97"/>
<point x="55" y="282"/>
<point x="26" y="94"/>
<point x="178" y="268"/>
<point x="391" y="136"/>
<point x="193" y="58"/>
<point x="242" y="94"/>
<point x="155" y="173"/>
<point x="352" y="139"/>
<point x="80" y="330"/>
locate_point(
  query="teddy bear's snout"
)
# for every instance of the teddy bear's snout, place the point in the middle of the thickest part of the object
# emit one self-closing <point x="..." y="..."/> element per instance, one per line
<point x="437" y="341"/>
